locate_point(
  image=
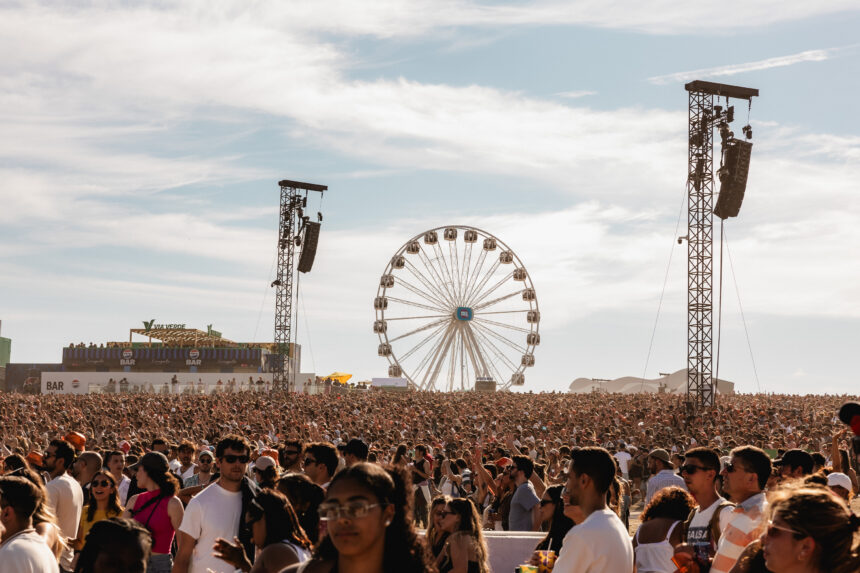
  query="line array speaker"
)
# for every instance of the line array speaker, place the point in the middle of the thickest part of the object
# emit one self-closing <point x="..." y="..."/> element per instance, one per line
<point x="733" y="178"/>
<point x="309" y="246"/>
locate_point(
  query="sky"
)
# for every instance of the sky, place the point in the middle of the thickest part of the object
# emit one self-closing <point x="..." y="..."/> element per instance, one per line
<point x="142" y="144"/>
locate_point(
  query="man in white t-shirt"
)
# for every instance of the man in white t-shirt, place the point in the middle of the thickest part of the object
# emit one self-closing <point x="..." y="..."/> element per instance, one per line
<point x="601" y="542"/>
<point x="65" y="496"/>
<point x="22" y="550"/>
<point x="217" y="512"/>
<point x="186" y="461"/>
<point x="700" y="470"/>
<point x="623" y="457"/>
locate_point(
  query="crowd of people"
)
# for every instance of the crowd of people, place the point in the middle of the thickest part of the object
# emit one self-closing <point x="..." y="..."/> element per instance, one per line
<point x="375" y="481"/>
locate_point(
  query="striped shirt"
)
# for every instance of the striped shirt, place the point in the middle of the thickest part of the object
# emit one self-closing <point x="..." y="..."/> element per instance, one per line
<point x="663" y="478"/>
<point x="746" y="526"/>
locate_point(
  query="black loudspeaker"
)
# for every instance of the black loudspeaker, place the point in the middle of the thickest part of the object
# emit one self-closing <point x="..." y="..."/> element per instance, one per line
<point x="309" y="246"/>
<point x="733" y="178"/>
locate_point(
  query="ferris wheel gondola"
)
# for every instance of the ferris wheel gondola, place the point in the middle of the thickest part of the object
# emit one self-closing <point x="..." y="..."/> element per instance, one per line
<point x="455" y="305"/>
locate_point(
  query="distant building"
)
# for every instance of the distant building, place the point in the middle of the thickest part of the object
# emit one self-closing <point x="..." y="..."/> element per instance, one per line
<point x="675" y="383"/>
<point x="5" y="349"/>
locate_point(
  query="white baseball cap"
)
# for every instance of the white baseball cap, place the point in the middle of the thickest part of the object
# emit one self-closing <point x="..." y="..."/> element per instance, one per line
<point x="840" y="479"/>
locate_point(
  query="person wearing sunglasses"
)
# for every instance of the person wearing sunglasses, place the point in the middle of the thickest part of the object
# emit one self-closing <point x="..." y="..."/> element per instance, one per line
<point x="290" y="455"/>
<point x="320" y="462"/>
<point x="552" y="515"/>
<point x="104" y="503"/>
<point x="370" y="529"/>
<point x="810" y="530"/>
<point x="435" y="535"/>
<point x="703" y="528"/>
<point x="465" y="549"/>
<point x="744" y="479"/>
<point x="158" y="509"/>
<point x="218" y="512"/>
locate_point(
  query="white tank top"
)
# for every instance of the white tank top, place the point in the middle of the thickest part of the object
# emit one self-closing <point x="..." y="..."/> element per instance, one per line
<point x="655" y="557"/>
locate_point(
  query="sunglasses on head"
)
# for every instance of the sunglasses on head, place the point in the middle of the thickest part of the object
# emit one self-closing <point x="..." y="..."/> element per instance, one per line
<point x="100" y="483"/>
<point x="232" y="458"/>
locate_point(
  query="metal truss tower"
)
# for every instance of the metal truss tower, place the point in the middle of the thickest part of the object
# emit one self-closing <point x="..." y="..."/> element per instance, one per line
<point x="292" y="203"/>
<point x="703" y="117"/>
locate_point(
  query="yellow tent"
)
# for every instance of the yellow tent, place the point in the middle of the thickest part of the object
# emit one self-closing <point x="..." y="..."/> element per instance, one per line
<point x="339" y="377"/>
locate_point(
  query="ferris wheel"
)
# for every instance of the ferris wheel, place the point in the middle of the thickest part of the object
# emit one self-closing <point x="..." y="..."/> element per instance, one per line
<point x="455" y="307"/>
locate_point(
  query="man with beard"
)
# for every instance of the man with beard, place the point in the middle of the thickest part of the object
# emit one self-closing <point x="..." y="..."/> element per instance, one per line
<point x="218" y="512"/>
<point x="600" y="542"/>
<point x="65" y="496"/>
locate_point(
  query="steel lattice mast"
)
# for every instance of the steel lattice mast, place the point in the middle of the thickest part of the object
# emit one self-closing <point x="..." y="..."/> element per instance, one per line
<point x="700" y="205"/>
<point x="292" y="202"/>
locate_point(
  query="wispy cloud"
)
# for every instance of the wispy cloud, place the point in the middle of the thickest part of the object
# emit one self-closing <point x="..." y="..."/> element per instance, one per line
<point x="734" y="69"/>
<point x="576" y="94"/>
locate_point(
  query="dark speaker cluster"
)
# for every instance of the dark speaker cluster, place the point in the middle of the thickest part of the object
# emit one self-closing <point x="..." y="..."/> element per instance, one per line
<point x="309" y="246"/>
<point x="733" y="178"/>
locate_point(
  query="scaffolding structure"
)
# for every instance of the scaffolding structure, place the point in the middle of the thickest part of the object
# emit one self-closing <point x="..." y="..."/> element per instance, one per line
<point x="703" y="118"/>
<point x="294" y="197"/>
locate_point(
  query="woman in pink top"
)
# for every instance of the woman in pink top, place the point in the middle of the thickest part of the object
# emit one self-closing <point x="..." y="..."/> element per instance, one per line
<point x="158" y="509"/>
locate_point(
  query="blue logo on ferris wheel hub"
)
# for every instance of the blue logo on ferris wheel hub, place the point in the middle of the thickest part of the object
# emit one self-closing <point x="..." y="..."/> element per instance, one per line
<point x="463" y="313"/>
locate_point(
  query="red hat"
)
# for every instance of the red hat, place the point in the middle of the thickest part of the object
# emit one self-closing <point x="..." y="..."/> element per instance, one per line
<point x="77" y="439"/>
<point x="34" y="459"/>
<point x="125" y="446"/>
<point x="503" y="462"/>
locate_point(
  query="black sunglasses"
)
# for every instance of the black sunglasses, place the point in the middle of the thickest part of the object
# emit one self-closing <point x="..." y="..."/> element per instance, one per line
<point x="309" y="461"/>
<point x="291" y="452"/>
<point x="232" y="458"/>
<point x="544" y="502"/>
<point x="691" y="469"/>
<point x="100" y="483"/>
<point x="732" y="467"/>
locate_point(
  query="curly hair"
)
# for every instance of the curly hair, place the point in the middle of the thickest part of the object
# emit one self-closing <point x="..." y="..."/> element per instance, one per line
<point x="672" y="502"/>
<point x="404" y="550"/>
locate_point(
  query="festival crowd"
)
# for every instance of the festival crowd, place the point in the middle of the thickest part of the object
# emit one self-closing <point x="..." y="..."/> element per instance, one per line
<point x="372" y="481"/>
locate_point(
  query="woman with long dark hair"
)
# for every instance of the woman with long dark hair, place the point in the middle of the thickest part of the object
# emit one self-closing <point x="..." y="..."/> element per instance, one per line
<point x="552" y="513"/>
<point x="305" y="496"/>
<point x="276" y="533"/>
<point x="465" y="550"/>
<point x="435" y="536"/>
<point x="157" y="508"/>
<point x="104" y="504"/>
<point x="367" y="510"/>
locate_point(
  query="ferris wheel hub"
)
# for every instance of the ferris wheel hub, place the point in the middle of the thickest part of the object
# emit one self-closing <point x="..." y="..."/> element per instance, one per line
<point x="464" y="313"/>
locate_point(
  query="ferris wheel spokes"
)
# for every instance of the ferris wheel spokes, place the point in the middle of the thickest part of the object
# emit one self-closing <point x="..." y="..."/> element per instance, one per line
<point x="441" y="317"/>
<point x="480" y="285"/>
<point x="501" y="324"/>
<point x="430" y="297"/>
<point x="436" y="275"/>
<point x="490" y="303"/>
<point x="413" y="303"/>
<point x="501" y="338"/>
<point x="475" y="301"/>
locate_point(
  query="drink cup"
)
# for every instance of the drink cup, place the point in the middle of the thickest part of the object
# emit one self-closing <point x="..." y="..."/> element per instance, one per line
<point x="547" y="560"/>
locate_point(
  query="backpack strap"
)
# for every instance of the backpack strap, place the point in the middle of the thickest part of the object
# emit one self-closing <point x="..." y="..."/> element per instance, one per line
<point x="714" y="525"/>
<point x="685" y="527"/>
